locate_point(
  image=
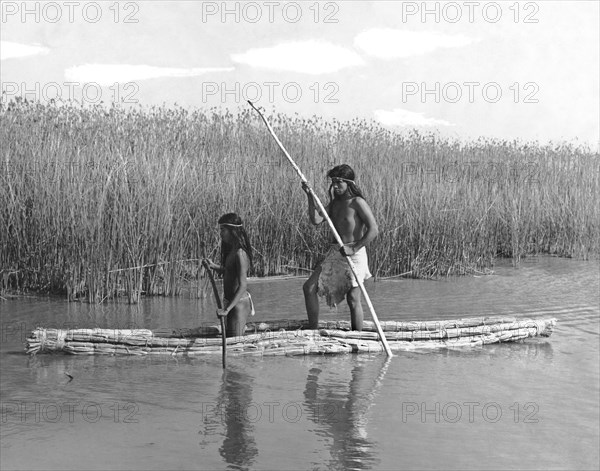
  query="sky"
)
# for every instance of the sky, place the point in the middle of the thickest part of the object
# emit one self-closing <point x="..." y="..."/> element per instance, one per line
<point x="507" y="69"/>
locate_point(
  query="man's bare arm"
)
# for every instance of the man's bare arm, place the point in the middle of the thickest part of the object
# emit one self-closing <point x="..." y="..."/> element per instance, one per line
<point x="314" y="214"/>
<point x="366" y="215"/>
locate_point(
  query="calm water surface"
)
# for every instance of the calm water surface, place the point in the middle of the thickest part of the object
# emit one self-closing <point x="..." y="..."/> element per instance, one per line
<point x="532" y="405"/>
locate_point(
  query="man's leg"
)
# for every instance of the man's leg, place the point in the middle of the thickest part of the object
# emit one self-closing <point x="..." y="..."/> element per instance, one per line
<point x="237" y="317"/>
<point x="311" y="299"/>
<point x="356" y="311"/>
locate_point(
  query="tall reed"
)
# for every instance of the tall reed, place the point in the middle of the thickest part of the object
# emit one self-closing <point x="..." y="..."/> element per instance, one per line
<point x="100" y="202"/>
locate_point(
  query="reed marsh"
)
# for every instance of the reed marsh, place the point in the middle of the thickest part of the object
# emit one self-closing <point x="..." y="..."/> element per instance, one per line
<point x="100" y="202"/>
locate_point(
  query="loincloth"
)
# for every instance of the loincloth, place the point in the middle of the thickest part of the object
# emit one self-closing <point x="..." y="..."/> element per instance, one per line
<point x="247" y="295"/>
<point x="336" y="277"/>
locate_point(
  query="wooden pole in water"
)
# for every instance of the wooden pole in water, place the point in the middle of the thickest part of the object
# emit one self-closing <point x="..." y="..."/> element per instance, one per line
<point x="220" y="306"/>
<point x="333" y="230"/>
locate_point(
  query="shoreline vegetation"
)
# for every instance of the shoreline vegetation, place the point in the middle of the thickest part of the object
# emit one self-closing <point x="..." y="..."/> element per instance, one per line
<point x="98" y="203"/>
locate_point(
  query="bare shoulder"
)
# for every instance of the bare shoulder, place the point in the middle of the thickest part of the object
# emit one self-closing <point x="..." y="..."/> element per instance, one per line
<point x="242" y="262"/>
<point x="363" y="209"/>
<point x="360" y="203"/>
<point x="241" y="255"/>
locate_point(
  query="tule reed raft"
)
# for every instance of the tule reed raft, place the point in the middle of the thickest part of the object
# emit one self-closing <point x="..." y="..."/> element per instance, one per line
<point x="288" y="337"/>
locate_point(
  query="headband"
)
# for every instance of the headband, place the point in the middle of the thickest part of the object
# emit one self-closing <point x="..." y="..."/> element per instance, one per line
<point x="343" y="179"/>
<point x="230" y="225"/>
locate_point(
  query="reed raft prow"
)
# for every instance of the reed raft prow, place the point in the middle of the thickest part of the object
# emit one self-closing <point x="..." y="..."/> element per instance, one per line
<point x="290" y="337"/>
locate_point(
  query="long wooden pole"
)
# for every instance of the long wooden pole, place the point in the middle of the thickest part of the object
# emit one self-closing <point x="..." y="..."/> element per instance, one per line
<point x="220" y="306"/>
<point x="333" y="230"/>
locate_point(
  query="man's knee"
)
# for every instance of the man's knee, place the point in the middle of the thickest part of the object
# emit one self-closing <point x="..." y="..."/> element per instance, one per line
<point x="306" y="287"/>
<point x="353" y="297"/>
<point x="310" y="286"/>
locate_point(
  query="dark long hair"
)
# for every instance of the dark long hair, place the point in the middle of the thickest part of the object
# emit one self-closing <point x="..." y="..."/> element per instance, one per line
<point x="234" y="223"/>
<point x="344" y="171"/>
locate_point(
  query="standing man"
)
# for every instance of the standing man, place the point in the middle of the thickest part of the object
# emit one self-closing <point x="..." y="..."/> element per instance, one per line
<point x="355" y="223"/>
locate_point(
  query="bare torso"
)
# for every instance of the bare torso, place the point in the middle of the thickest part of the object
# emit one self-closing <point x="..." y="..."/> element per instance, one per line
<point x="344" y="214"/>
<point x="231" y="275"/>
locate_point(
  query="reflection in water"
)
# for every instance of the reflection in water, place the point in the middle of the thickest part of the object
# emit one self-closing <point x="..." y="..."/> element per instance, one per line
<point x="344" y="409"/>
<point x="233" y="410"/>
<point x="559" y="375"/>
<point x="239" y="447"/>
<point x="531" y="350"/>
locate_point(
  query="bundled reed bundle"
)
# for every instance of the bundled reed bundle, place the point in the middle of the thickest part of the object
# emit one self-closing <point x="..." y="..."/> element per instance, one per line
<point x="459" y="337"/>
<point x="449" y="330"/>
<point x="288" y="337"/>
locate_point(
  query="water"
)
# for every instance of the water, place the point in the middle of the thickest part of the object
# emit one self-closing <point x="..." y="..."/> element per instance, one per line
<point x="531" y="405"/>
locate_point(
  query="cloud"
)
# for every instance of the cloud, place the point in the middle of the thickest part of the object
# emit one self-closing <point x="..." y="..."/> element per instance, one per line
<point x="10" y="50"/>
<point x="108" y="74"/>
<point x="386" y="43"/>
<point x="404" y="118"/>
<point x="308" y="57"/>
